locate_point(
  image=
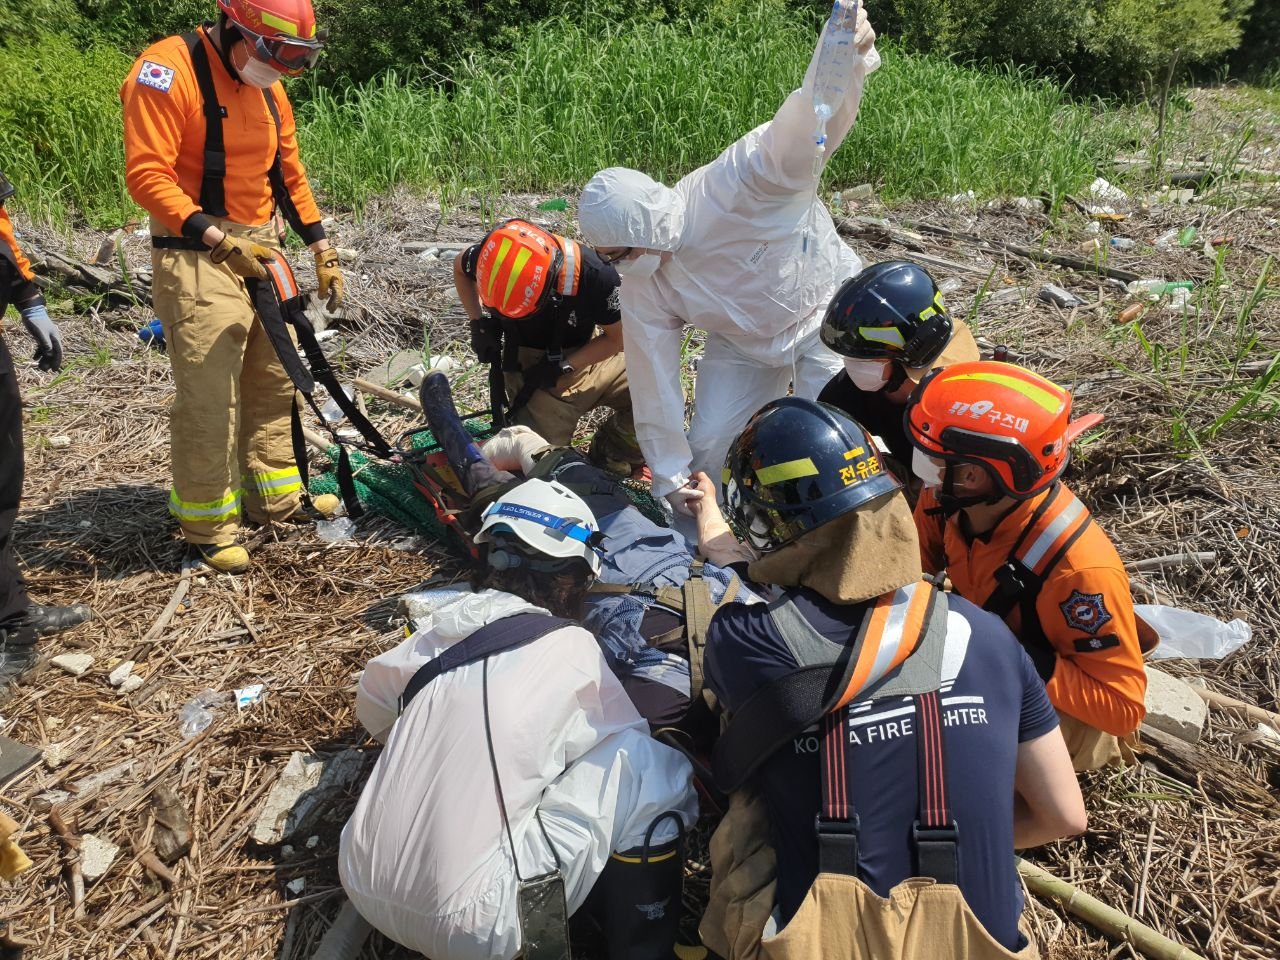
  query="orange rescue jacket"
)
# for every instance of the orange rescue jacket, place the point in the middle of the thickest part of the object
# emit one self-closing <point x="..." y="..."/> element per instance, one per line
<point x="24" y="288"/>
<point x="1084" y="607"/>
<point x="164" y="139"/>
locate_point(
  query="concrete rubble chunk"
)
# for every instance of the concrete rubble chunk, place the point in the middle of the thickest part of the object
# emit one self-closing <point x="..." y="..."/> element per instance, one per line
<point x="395" y="370"/>
<point x="120" y="674"/>
<point x="74" y="663"/>
<point x="418" y="246"/>
<point x="96" y="856"/>
<point x="131" y="683"/>
<point x="301" y="795"/>
<point x="1174" y="707"/>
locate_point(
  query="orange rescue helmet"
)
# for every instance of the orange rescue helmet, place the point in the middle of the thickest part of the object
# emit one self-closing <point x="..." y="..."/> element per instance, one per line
<point x="521" y="267"/>
<point x="283" y="32"/>
<point x="1013" y="423"/>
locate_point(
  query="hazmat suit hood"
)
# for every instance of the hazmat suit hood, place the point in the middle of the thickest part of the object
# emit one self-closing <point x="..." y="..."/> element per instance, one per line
<point x="620" y="207"/>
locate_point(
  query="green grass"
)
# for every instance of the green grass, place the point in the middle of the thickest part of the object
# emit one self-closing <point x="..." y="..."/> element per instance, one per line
<point x="568" y="100"/>
<point x="667" y="98"/>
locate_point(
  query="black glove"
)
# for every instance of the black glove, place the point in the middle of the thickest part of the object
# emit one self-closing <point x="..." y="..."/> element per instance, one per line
<point x="486" y="338"/>
<point x="543" y="375"/>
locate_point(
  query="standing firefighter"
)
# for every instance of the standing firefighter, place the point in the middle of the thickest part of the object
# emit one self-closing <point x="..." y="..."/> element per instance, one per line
<point x="21" y="621"/>
<point x="535" y="300"/>
<point x="210" y="151"/>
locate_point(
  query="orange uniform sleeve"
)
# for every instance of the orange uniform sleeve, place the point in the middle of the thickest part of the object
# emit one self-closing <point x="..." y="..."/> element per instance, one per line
<point x="24" y="289"/>
<point x="154" y="121"/>
<point x="1087" y="615"/>
<point x="305" y="215"/>
<point x="11" y="244"/>
<point x="932" y="553"/>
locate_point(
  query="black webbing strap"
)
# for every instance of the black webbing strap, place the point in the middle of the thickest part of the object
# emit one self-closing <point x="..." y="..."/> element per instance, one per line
<point x="213" y="198"/>
<point x="280" y="189"/>
<point x="491" y="639"/>
<point x="178" y="243"/>
<point x="935" y="836"/>
<point x="1014" y="581"/>
<point x="772" y="715"/>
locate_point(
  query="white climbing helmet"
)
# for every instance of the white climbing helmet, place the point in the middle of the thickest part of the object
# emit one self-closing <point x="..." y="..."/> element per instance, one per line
<point x="546" y="516"/>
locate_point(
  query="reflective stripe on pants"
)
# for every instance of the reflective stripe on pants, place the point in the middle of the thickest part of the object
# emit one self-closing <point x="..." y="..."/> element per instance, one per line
<point x="231" y="410"/>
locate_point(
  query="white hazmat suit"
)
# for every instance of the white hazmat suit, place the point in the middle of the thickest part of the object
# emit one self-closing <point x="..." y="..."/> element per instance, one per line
<point x="737" y="271"/>
<point x="424" y="858"/>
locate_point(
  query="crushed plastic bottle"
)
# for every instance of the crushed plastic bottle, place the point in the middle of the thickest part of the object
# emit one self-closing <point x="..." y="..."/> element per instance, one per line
<point x="1123" y="243"/>
<point x="338" y="530"/>
<point x="196" y="715"/>
<point x="1166" y="240"/>
<point x="1147" y="289"/>
<point x="331" y="412"/>
<point x="1187" y="236"/>
<point x="950" y="285"/>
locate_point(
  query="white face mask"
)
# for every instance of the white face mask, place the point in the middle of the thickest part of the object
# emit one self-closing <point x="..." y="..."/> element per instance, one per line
<point x="254" y="72"/>
<point x="868" y="375"/>
<point x="642" y="267"/>
<point x="926" y="468"/>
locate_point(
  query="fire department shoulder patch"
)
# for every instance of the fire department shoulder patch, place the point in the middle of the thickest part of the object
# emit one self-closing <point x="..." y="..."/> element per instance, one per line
<point x="1085" y="611"/>
<point x="155" y="75"/>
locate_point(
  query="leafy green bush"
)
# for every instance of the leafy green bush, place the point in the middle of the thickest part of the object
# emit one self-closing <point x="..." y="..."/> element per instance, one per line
<point x="60" y="132"/>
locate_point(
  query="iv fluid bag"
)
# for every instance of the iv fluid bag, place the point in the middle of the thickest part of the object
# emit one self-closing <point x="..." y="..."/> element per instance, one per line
<point x="836" y="59"/>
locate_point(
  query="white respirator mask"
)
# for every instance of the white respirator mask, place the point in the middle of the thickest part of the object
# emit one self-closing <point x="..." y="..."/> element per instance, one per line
<point x="253" y="72"/>
<point x="641" y="268"/>
<point x="868" y="375"/>
<point x="928" y="470"/>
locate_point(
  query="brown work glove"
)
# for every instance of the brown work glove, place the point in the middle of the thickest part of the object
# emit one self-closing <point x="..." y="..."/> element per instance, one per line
<point x="329" y="277"/>
<point x="244" y="257"/>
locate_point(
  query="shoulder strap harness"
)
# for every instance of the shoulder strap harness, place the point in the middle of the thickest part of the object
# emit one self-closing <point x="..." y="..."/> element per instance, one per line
<point x="503" y="635"/>
<point x="1057" y="523"/>
<point x="897" y="652"/>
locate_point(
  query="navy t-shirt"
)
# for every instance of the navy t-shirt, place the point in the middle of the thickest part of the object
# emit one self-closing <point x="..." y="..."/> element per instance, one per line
<point x="992" y="700"/>
<point x="573" y="320"/>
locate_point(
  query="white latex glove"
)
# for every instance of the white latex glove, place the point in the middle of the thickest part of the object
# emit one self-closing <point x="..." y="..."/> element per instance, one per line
<point x="681" y="497"/>
<point x="514" y="449"/>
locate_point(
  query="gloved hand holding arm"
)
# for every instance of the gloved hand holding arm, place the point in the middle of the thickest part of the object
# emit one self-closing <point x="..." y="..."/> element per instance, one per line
<point x="716" y="541"/>
<point x="48" y="338"/>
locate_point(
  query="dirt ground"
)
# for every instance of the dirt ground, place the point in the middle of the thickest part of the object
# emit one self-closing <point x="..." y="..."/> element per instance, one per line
<point x="1186" y="463"/>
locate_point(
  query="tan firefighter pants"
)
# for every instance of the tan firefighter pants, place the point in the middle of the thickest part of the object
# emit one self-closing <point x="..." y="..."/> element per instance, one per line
<point x="229" y="426"/>
<point x="840" y="918"/>
<point x="1091" y="748"/>
<point x="554" y="413"/>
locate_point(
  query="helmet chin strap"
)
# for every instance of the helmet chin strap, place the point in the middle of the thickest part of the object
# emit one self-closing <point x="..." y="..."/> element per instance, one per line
<point x="949" y="504"/>
<point x="897" y="378"/>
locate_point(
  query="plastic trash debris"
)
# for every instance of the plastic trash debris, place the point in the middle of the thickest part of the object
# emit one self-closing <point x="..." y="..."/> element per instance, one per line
<point x="1123" y="243"/>
<point x="556" y="203"/>
<point x="246" y="697"/>
<point x="1029" y="204"/>
<point x="296" y="886"/>
<point x="1194" y="636"/>
<point x="1102" y="190"/>
<point x="950" y="285"/>
<point x="1052" y="293"/>
<point x="1166" y="240"/>
<point x="1148" y="289"/>
<point x="967" y="197"/>
<point x="1093" y="227"/>
<point x="863" y="191"/>
<point x="60" y="442"/>
<point x="1010" y="293"/>
<point x="1130" y="313"/>
<point x="152" y="333"/>
<point x="1187" y="236"/>
<point x="1179" y="297"/>
<point x="337" y="530"/>
<point x="331" y="412"/>
<point x="196" y="715"/>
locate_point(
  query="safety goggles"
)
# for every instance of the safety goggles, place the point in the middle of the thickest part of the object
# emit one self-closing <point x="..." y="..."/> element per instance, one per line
<point x="289" y="55"/>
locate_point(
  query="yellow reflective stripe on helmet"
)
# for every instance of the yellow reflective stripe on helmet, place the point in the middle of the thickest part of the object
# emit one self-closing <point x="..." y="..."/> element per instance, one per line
<point x="504" y="247"/>
<point x="791" y="470"/>
<point x="521" y="259"/>
<point x="1037" y="395"/>
<point x="211" y="510"/>
<point x="271" y="20"/>
<point x="891" y="336"/>
<point x="276" y="482"/>
<point x="854" y="453"/>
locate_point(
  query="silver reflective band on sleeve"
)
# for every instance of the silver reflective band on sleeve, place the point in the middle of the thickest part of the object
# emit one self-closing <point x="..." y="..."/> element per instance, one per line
<point x="1051" y="533"/>
<point x="569" y="269"/>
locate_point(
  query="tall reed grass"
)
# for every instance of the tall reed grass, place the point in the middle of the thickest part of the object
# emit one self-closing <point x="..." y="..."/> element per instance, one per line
<point x="570" y="99"/>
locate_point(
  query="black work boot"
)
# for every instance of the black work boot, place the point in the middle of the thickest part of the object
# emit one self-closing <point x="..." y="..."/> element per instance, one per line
<point x="47" y="620"/>
<point x="469" y="465"/>
<point x="17" y="650"/>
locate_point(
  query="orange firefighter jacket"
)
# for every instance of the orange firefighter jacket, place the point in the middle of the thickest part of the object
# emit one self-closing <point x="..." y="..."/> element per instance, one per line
<point x="1084" y="608"/>
<point x="24" y="287"/>
<point x="164" y="139"/>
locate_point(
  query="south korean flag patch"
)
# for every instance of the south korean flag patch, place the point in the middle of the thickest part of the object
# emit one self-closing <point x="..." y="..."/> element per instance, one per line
<point x="155" y="75"/>
<point x="1086" y="612"/>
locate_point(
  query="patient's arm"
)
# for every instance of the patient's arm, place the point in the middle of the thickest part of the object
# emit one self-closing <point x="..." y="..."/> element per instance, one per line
<point x="716" y="541"/>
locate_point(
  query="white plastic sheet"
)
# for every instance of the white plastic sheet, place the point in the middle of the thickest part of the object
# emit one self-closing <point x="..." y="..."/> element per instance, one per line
<point x="1193" y="636"/>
